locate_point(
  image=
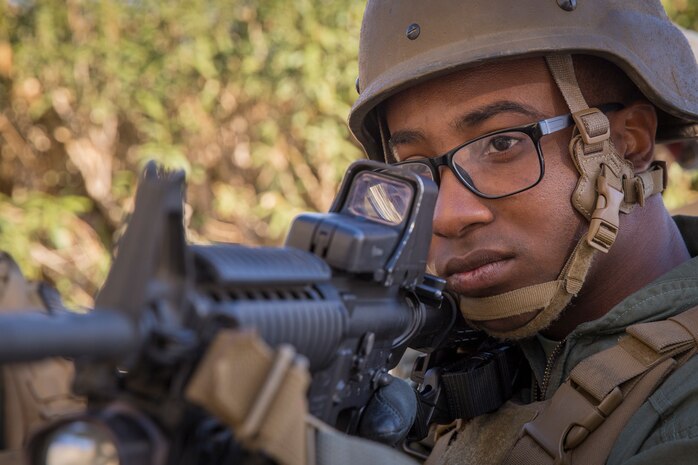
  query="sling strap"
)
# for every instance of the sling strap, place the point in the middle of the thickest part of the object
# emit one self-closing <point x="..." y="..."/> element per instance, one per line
<point x="258" y="392"/>
<point x="580" y="423"/>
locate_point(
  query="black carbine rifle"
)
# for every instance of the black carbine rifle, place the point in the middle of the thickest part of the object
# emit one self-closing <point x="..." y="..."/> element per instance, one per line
<point x="348" y="292"/>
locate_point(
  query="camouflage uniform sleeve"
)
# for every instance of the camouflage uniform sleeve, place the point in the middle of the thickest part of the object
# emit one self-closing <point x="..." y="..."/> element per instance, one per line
<point x="32" y="393"/>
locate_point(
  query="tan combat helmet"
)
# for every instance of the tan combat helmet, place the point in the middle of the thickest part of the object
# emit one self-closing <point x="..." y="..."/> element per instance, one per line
<point x="411" y="41"/>
<point x="407" y="42"/>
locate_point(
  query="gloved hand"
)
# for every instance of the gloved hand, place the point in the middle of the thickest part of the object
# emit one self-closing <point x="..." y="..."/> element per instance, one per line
<point x="390" y="413"/>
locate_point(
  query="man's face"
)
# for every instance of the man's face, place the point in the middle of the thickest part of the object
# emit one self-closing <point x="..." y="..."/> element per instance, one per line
<point x="486" y="247"/>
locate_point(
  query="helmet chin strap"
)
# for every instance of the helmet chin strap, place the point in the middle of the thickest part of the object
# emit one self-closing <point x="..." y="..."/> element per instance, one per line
<point x="606" y="187"/>
<point x="552" y="297"/>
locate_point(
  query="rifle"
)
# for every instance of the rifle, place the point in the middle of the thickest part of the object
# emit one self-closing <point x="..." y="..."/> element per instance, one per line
<point x="348" y="292"/>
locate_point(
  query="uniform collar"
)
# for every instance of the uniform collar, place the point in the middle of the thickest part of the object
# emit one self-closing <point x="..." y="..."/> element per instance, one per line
<point x="668" y="295"/>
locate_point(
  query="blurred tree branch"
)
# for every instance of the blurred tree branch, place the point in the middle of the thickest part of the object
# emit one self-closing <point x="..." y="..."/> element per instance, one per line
<point x="248" y="97"/>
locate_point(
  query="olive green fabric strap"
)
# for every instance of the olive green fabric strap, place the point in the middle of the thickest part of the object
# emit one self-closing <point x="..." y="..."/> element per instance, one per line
<point x="531" y="297"/>
<point x="646" y="345"/>
<point x="562" y="69"/>
<point x="587" y="413"/>
<point x="552" y="297"/>
<point x="510" y="303"/>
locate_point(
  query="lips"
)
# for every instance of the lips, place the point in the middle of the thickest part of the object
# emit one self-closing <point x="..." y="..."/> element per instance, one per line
<point x="478" y="273"/>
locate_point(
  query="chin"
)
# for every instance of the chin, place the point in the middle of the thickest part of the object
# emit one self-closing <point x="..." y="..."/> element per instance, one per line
<point x="504" y="325"/>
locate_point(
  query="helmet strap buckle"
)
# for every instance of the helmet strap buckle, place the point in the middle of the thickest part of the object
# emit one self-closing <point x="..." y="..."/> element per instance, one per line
<point x="603" y="228"/>
<point x="643" y="185"/>
<point x="592" y="125"/>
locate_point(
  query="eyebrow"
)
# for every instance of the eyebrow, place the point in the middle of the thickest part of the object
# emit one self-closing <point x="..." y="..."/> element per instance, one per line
<point x="472" y="118"/>
<point x="482" y="114"/>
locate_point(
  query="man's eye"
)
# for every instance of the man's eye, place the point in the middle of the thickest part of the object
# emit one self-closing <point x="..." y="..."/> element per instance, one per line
<point x="497" y="148"/>
<point x="501" y="143"/>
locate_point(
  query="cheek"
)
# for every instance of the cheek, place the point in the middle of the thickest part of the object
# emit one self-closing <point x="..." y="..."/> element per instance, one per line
<point x="561" y="176"/>
<point x="549" y="226"/>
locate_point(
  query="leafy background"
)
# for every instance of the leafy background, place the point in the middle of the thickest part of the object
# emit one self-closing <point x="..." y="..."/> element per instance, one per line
<point x="249" y="97"/>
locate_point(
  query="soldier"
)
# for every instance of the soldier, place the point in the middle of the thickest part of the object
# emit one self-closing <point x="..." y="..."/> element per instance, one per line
<point x="538" y="120"/>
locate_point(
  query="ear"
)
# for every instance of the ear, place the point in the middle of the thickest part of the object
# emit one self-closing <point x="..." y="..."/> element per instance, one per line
<point x="633" y="131"/>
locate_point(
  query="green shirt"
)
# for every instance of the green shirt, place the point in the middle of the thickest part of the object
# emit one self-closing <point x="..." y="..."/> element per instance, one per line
<point x="665" y="428"/>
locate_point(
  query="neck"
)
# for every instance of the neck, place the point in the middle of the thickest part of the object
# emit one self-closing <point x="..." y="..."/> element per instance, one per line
<point x="649" y="244"/>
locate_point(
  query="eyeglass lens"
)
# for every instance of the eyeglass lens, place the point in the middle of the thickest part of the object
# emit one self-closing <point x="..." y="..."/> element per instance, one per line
<point x="495" y="165"/>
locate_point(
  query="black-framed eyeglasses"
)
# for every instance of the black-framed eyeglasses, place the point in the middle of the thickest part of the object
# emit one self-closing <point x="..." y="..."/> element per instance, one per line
<point x="500" y="163"/>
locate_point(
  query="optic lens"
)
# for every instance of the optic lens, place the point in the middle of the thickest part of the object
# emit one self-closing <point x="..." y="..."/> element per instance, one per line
<point x="420" y="169"/>
<point x="80" y="443"/>
<point x="379" y="199"/>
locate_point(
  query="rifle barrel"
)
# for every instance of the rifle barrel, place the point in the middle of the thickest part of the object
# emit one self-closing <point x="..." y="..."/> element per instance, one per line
<point x="30" y="336"/>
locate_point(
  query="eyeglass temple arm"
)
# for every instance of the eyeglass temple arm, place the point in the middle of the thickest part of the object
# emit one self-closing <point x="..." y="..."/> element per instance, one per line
<point x="550" y="125"/>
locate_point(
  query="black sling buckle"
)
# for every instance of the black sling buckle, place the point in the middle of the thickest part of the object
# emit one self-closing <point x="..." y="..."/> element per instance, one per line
<point x="467" y="388"/>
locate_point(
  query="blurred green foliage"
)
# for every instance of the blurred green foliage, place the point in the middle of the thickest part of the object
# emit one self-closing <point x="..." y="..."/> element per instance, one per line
<point x="249" y="97"/>
<point x="683" y="186"/>
<point x="683" y="12"/>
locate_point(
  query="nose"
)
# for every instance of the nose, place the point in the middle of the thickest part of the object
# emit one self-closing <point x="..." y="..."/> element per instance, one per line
<point x="458" y="210"/>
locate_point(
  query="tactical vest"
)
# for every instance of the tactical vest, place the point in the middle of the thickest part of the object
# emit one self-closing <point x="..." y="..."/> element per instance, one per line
<point x="583" y="419"/>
